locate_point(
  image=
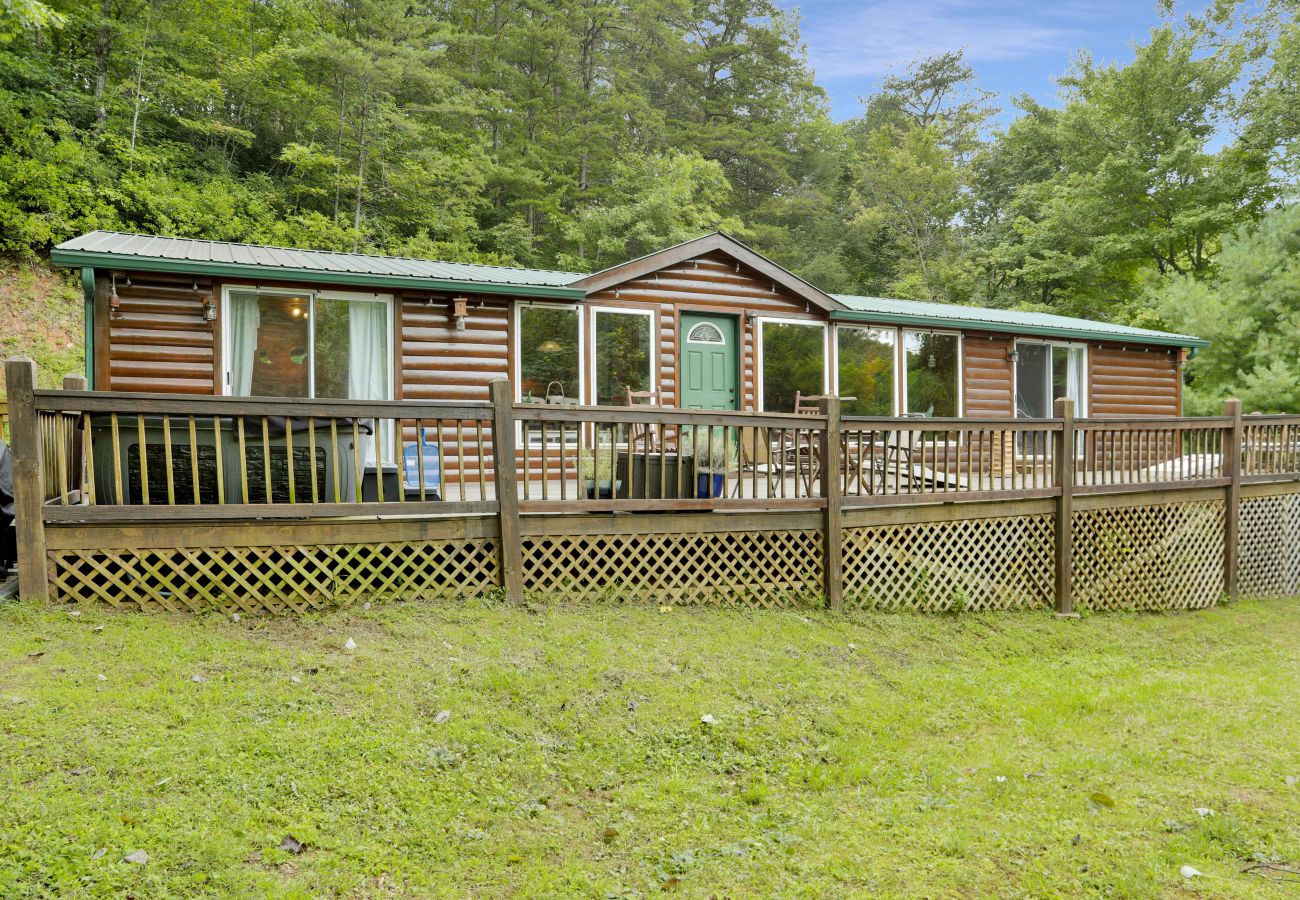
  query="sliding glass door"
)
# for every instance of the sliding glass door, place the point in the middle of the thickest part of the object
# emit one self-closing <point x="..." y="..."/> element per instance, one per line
<point x="1046" y="373"/>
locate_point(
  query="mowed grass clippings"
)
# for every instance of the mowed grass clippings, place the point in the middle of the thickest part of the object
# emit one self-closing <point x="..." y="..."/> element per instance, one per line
<point x="485" y="750"/>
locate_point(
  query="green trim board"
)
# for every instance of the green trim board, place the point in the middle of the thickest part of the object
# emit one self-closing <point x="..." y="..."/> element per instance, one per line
<point x="88" y="291"/>
<point x="884" y="311"/>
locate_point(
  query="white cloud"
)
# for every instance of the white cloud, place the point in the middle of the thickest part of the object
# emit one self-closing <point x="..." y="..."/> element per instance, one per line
<point x="866" y="40"/>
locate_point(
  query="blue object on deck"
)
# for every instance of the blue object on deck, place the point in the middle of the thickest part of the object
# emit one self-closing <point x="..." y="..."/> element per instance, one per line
<point x="708" y="485"/>
<point x="432" y="469"/>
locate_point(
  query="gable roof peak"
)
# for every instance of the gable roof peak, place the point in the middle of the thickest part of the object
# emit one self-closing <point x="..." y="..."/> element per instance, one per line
<point x="707" y="243"/>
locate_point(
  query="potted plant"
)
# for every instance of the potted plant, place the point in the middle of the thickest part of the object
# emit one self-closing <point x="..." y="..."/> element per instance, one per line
<point x="596" y="471"/>
<point x="716" y="453"/>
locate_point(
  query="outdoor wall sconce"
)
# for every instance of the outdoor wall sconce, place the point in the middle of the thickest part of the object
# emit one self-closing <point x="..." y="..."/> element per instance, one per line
<point x="1013" y="355"/>
<point x="460" y="311"/>
<point x="114" y="301"/>
<point x="750" y="317"/>
<point x="209" y="309"/>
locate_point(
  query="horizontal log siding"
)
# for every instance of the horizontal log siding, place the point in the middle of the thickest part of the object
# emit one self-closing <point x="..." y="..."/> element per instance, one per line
<point x="709" y="283"/>
<point x="439" y="363"/>
<point x="159" y="340"/>
<point x="988" y="391"/>
<point x="1133" y="381"/>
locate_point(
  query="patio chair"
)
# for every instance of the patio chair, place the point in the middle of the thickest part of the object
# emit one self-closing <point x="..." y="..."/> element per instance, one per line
<point x="646" y="437"/>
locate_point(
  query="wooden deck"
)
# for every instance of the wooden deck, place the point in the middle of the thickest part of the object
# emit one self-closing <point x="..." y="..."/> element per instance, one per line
<point x="167" y="501"/>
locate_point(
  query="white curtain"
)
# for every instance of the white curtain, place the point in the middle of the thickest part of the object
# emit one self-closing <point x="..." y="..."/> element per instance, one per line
<point x="368" y="360"/>
<point x="243" y="316"/>
<point x="1075" y="372"/>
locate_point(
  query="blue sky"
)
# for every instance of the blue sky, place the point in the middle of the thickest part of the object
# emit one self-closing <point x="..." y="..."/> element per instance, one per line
<point x="1015" y="46"/>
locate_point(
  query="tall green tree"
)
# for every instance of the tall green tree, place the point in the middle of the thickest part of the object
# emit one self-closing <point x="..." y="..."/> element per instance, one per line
<point x="1249" y="310"/>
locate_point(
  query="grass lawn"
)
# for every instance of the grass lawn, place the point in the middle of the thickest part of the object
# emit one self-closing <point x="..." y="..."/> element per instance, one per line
<point x="901" y="755"/>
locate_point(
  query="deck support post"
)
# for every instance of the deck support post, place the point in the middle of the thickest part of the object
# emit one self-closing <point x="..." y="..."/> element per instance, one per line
<point x="511" y="551"/>
<point x="1064" y="478"/>
<point x="833" y="492"/>
<point x="29" y="478"/>
<point x="1231" y="453"/>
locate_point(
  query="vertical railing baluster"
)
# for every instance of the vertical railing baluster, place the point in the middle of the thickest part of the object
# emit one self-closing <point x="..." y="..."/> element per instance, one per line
<point x="266" y="459"/>
<point x="88" y="453"/>
<point x="144" y="458"/>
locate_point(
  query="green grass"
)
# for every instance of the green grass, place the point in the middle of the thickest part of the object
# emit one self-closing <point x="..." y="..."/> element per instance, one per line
<point x="1009" y="753"/>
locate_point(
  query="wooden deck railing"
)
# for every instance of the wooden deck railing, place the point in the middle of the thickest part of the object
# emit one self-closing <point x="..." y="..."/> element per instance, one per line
<point x="94" y="457"/>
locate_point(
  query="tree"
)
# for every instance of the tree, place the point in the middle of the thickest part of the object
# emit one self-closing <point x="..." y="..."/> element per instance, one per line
<point x="1137" y="193"/>
<point x="1249" y="310"/>
<point x="664" y="200"/>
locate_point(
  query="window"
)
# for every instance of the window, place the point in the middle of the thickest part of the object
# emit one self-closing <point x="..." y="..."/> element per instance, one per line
<point x="705" y="333"/>
<point x="308" y="345"/>
<point x="933" y="385"/>
<point x="865" y="369"/>
<point x="1047" y="372"/>
<point x="793" y="360"/>
<point x="624" y="354"/>
<point x="549" y="338"/>
<point x="337" y="346"/>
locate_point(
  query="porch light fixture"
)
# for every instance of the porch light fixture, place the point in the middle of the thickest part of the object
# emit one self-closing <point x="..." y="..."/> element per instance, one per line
<point x="114" y="302"/>
<point x="209" y="309"/>
<point x="1013" y="355"/>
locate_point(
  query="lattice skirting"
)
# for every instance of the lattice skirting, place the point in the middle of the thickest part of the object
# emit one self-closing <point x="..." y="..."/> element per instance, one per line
<point x="1269" y="555"/>
<point x="1166" y="556"/>
<point x="736" y="568"/>
<point x="275" y="579"/>
<point x="969" y="564"/>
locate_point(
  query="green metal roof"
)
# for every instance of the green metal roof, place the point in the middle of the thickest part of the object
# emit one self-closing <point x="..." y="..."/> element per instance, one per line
<point x="152" y="253"/>
<point x="948" y="315"/>
<point x="111" y="249"/>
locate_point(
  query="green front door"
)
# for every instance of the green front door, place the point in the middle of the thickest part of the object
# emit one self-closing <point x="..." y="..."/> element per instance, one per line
<point x="709" y="362"/>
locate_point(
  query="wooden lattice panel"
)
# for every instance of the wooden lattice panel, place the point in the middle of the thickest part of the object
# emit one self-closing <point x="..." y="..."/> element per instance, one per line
<point x="275" y="579"/>
<point x="969" y="564"/>
<point x="1166" y="556"/>
<point x="738" y="568"/>
<point x="1269" y="554"/>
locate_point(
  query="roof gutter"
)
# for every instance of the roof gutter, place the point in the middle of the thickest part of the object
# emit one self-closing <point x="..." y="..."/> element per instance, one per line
<point x="92" y="258"/>
<point x="88" y="290"/>
<point x="1168" y="340"/>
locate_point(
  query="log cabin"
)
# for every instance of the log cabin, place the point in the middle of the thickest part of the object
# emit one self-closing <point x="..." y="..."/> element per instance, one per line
<point x="708" y="324"/>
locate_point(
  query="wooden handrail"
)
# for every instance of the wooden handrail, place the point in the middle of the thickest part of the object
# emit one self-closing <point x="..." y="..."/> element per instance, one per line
<point x="292" y="407"/>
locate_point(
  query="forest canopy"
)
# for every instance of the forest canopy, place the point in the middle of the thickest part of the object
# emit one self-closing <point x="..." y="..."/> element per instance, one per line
<point x="581" y="133"/>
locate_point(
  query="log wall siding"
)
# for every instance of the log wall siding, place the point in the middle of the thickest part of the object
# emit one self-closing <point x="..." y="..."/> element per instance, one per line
<point x="437" y="362"/>
<point x="709" y="283"/>
<point x="988" y="372"/>
<point x="158" y="340"/>
<point x="1133" y="381"/>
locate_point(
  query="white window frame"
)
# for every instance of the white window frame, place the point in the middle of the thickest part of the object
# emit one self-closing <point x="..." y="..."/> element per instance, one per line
<point x="835" y="360"/>
<point x="1081" y="408"/>
<point x="534" y="435"/>
<point x="227" y="360"/>
<point x="516" y="350"/>
<point x="902" y="366"/>
<point x="759" y="322"/>
<point x="592" y="378"/>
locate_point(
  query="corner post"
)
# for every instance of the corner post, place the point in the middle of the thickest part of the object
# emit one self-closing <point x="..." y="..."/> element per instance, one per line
<point x="29" y="478"/>
<point x="833" y="493"/>
<point x="1064" y="478"/>
<point x="511" y="551"/>
<point x="1232" y="451"/>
